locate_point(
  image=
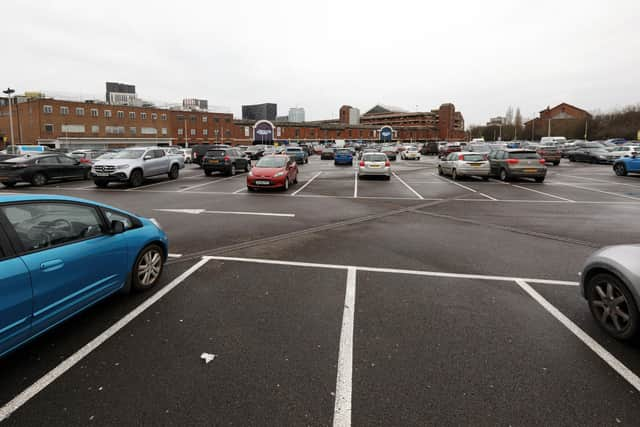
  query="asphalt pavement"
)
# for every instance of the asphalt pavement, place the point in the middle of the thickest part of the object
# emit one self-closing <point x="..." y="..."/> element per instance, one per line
<point x="414" y="301"/>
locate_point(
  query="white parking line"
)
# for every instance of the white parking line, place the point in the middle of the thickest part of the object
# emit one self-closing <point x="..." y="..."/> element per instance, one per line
<point x="601" y="191"/>
<point x="355" y="185"/>
<point x="609" y="359"/>
<point x="543" y="193"/>
<point x="31" y="391"/>
<point x="306" y="183"/>
<point x="174" y="255"/>
<point x="240" y="190"/>
<point x="455" y="183"/>
<point x="408" y="186"/>
<point x="488" y="197"/>
<point x="602" y="181"/>
<point x="182" y="190"/>
<point x="342" y="406"/>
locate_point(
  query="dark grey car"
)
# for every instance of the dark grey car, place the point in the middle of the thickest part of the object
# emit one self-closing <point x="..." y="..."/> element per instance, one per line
<point x="508" y="164"/>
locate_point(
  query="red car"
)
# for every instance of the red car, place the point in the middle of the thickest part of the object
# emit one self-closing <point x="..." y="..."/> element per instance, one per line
<point x="273" y="171"/>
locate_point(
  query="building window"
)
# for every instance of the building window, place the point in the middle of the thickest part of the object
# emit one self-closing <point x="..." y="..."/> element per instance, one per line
<point x="192" y="118"/>
<point x="143" y="116"/>
<point x="132" y="115"/>
<point x="107" y="114"/>
<point x="154" y="116"/>
<point x="227" y="133"/>
<point x="180" y="131"/>
<point x="48" y="128"/>
<point x="205" y="132"/>
<point x="95" y="129"/>
<point x="114" y="130"/>
<point x="64" y="111"/>
<point x="163" y="116"/>
<point x="47" y="109"/>
<point x="193" y="132"/>
<point x="120" y="114"/>
<point x="216" y="120"/>
<point x="338" y="133"/>
<point x="246" y="131"/>
<point x="94" y="112"/>
<point x="79" y="111"/>
<point x="227" y="120"/>
<point x="164" y="130"/>
<point x="132" y="130"/>
<point x="204" y="119"/>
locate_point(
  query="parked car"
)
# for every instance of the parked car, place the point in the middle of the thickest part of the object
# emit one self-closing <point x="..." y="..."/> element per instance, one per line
<point x="430" y="149"/>
<point x="200" y="150"/>
<point x="343" y="156"/>
<point x="463" y="164"/>
<point x="227" y="160"/>
<point x="610" y="282"/>
<point x="328" y="153"/>
<point x="410" y="153"/>
<point x="274" y="171"/>
<point x="390" y="151"/>
<point x="448" y="148"/>
<point x="86" y="156"/>
<point x="41" y="168"/>
<point x="591" y="152"/>
<point x="134" y="165"/>
<point x="626" y="165"/>
<point x="478" y="147"/>
<point x="60" y="255"/>
<point x="187" y="154"/>
<point x="298" y="154"/>
<point x="550" y="153"/>
<point x="254" y="152"/>
<point x="508" y="164"/>
<point x="374" y="164"/>
<point x="621" y="152"/>
<point x="367" y="150"/>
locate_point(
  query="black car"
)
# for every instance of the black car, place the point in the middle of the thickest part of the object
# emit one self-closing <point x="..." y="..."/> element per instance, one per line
<point x="198" y="151"/>
<point x="328" y="153"/>
<point x="591" y="152"/>
<point x="225" y="160"/>
<point x="254" y="152"/>
<point x="430" y="149"/>
<point x="40" y="169"/>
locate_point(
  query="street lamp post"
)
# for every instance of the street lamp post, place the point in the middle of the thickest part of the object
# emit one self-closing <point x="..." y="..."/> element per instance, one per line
<point x="8" y="92"/>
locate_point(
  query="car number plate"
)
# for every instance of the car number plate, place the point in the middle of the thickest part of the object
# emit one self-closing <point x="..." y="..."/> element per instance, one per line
<point x="476" y="164"/>
<point x="263" y="182"/>
<point x="374" y="166"/>
<point x="213" y="162"/>
<point x="531" y="170"/>
<point x="101" y="174"/>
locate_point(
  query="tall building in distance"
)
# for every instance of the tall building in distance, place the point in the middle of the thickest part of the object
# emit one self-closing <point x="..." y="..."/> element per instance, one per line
<point x="349" y="115"/>
<point x="195" y="104"/>
<point x="296" y="115"/>
<point x="121" y="94"/>
<point x="266" y="111"/>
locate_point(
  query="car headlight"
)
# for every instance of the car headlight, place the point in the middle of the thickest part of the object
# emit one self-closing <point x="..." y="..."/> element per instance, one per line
<point x="122" y="167"/>
<point x="155" y="222"/>
<point x="279" y="174"/>
<point x="250" y="173"/>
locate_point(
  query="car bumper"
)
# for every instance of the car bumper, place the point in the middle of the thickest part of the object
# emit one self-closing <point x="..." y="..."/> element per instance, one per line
<point x="523" y="174"/>
<point x="364" y="171"/>
<point x="220" y="167"/>
<point x="473" y="171"/>
<point x="252" y="182"/>
<point x="343" y="161"/>
<point x="114" y="177"/>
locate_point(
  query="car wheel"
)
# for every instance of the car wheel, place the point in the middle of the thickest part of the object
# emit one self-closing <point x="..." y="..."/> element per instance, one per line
<point x="9" y="184"/>
<point x="285" y="187"/>
<point x="136" y="179"/>
<point x="572" y="159"/>
<point x="620" y="169"/>
<point x="485" y="178"/>
<point x="232" y="170"/>
<point x="295" y="179"/>
<point x="247" y="166"/>
<point x="540" y="179"/>
<point x="556" y="163"/>
<point x="454" y="175"/>
<point x="612" y="306"/>
<point x="208" y="172"/>
<point x="440" y="171"/>
<point x="387" y="178"/>
<point x="250" y="189"/>
<point x="38" y="179"/>
<point x="101" y="184"/>
<point x="174" y="172"/>
<point x="504" y="176"/>
<point x="86" y="175"/>
<point x="306" y="160"/>
<point x="147" y="268"/>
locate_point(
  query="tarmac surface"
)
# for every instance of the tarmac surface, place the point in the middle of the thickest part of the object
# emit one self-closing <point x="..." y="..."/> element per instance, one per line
<point x="414" y="301"/>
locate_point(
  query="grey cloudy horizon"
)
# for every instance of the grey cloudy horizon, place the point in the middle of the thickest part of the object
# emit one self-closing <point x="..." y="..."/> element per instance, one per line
<point x="481" y="56"/>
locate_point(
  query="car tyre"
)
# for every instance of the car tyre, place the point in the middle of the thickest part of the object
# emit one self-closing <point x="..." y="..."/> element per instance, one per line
<point x="620" y="169"/>
<point x="572" y="159"/>
<point x="9" y="184"/>
<point x="247" y="166"/>
<point x="440" y="172"/>
<point x="136" y="179"/>
<point x="208" y="172"/>
<point x="610" y="302"/>
<point x="87" y="175"/>
<point x="540" y="180"/>
<point x="38" y="179"/>
<point x="232" y="170"/>
<point x="556" y="163"/>
<point x="454" y="175"/>
<point x="174" y="172"/>
<point x="285" y="187"/>
<point x="485" y="178"/>
<point x="101" y="183"/>
<point x="295" y="179"/>
<point x="504" y="176"/>
<point x="147" y="268"/>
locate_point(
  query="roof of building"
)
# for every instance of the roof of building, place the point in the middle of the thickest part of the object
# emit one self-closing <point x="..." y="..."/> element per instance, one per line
<point x="385" y="109"/>
<point x="565" y="104"/>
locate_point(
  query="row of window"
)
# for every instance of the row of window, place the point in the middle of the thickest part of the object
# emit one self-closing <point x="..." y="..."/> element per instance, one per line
<point x="205" y="132"/>
<point x="64" y="111"/>
<point x="111" y="130"/>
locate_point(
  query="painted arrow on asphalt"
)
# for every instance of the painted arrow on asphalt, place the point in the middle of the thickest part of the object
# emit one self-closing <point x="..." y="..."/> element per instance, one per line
<point x="201" y="211"/>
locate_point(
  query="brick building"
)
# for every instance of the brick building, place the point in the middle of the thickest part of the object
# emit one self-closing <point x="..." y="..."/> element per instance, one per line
<point x="562" y="120"/>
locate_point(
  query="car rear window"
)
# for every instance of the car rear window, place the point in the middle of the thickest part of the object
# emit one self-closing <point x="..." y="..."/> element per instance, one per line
<point x="523" y="155"/>
<point x="473" y="158"/>
<point x="271" y="162"/>
<point x="216" y="153"/>
<point x="374" y="158"/>
<point x="343" y="152"/>
<point x="294" y="150"/>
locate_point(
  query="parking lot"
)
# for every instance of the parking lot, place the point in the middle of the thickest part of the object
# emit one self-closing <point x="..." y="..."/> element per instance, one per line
<point x="414" y="301"/>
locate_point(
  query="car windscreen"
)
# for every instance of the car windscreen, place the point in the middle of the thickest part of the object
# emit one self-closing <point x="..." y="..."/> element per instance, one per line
<point x="343" y="152"/>
<point x="129" y="154"/>
<point x="523" y="155"/>
<point x="216" y="153"/>
<point x="293" y="150"/>
<point x="473" y="158"/>
<point x="271" y="162"/>
<point x="374" y="158"/>
<point x="593" y="145"/>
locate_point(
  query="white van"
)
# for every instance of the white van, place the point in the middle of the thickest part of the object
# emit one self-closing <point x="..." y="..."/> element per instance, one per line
<point x="553" y="140"/>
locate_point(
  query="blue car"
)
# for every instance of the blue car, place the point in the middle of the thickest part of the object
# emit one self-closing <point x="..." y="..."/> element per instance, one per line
<point x="60" y="255"/>
<point x="343" y="156"/>
<point x="298" y="154"/>
<point x="625" y="165"/>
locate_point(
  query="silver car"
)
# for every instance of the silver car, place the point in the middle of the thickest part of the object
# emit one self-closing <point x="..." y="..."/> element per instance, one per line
<point x="374" y="164"/>
<point x="610" y="282"/>
<point x="616" y="153"/>
<point x="464" y="163"/>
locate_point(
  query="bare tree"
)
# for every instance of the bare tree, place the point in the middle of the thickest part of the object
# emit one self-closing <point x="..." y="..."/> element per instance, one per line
<point x="517" y="123"/>
<point x="508" y="116"/>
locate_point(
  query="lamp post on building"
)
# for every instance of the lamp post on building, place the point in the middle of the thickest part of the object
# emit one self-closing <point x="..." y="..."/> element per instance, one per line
<point x="8" y="92"/>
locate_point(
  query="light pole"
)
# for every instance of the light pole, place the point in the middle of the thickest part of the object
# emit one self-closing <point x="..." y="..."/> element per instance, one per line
<point x="8" y="92"/>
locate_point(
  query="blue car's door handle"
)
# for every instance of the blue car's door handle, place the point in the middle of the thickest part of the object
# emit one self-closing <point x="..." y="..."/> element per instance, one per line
<point x="53" y="265"/>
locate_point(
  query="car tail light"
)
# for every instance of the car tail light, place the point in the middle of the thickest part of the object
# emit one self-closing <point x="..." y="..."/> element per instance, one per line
<point x="387" y="163"/>
<point x="513" y="161"/>
<point x="460" y="157"/>
<point x="361" y="163"/>
<point x="226" y="159"/>
<point x="542" y="161"/>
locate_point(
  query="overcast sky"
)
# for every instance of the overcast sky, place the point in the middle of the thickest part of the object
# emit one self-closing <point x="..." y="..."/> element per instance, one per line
<point x="481" y="55"/>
